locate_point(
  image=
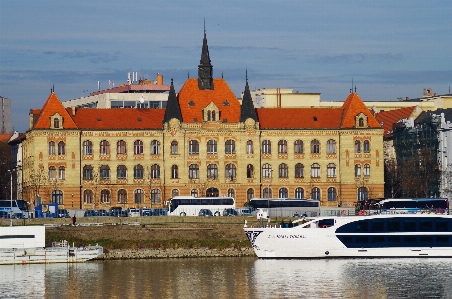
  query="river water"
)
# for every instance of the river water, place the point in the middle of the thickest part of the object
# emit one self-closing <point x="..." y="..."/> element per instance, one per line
<point x="231" y="278"/>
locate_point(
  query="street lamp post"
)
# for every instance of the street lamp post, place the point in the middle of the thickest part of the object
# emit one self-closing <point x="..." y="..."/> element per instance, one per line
<point x="72" y="200"/>
<point x="11" y="199"/>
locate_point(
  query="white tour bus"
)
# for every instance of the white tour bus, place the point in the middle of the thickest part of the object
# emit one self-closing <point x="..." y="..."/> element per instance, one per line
<point x="190" y="205"/>
<point x="287" y="207"/>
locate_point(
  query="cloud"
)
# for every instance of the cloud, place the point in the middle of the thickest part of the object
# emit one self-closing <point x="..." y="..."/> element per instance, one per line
<point x="93" y="57"/>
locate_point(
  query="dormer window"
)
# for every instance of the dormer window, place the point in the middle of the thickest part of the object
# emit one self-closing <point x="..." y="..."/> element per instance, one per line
<point x="361" y="120"/>
<point x="225" y="103"/>
<point x="191" y="103"/>
<point x="211" y="113"/>
<point x="56" y="123"/>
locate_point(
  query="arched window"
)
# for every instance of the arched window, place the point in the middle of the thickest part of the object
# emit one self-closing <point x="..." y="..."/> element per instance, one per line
<point x="193" y="171"/>
<point x="315" y="193"/>
<point x="361" y="122"/>
<point x="283" y="170"/>
<point x="138" y="147"/>
<point x="231" y="192"/>
<point x="155" y="147"/>
<point x="249" y="171"/>
<point x="87" y="148"/>
<point x="52" y="173"/>
<point x="194" y="192"/>
<point x="121" y="147"/>
<point x="282" y="147"/>
<point x="299" y="170"/>
<point x="57" y="197"/>
<point x="52" y="148"/>
<point x="208" y="115"/>
<point x="266" y="147"/>
<point x="298" y="147"/>
<point x="249" y="147"/>
<point x="357" y="146"/>
<point x="315" y="146"/>
<point x="138" y="196"/>
<point x="56" y="123"/>
<point x="61" y="173"/>
<point x="174" y="147"/>
<point x="174" y="192"/>
<point x="231" y="171"/>
<point x="212" y="146"/>
<point x="267" y="193"/>
<point x="212" y="171"/>
<point x="332" y="194"/>
<point x="122" y="196"/>
<point x="214" y="117"/>
<point x="331" y="146"/>
<point x="87" y="172"/>
<point x="61" y="148"/>
<point x="362" y="193"/>
<point x="266" y="171"/>
<point x="366" y="145"/>
<point x="283" y="193"/>
<point x="104" y="148"/>
<point x="155" y="196"/>
<point x="249" y="194"/>
<point x="104" y="172"/>
<point x="174" y="172"/>
<point x="366" y="170"/>
<point x="230" y="147"/>
<point x="87" y="196"/>
<point x="357" y="170"/>
<point x="331" y="170"/>
<point x="299" y="193"/>
<point x="138" y="172"/>
<point x="155" y="171"/>
<point x="121" y="173"/>
<point x="193" y="147"/>
<point x="315" y="170"/>
<point x="105" y="196"/>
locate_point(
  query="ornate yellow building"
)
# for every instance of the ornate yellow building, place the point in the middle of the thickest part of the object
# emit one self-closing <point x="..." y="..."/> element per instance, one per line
<point x="205" y="143"/>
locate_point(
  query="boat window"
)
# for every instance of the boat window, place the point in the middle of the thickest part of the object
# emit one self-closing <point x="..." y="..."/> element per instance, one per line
<point x="426" y="239"/>
<point x="361" y="226"/>
<point x="409" y="239"/>
<point x="394" y="239"/>
<point x="378" y="239"/>
<point x="378" y="226"/>
<point x="362" y="239"/>
<point x="326" y="222"/>
<point x="409" y="226"/>
<point x="443" y="241"/>
<point x="442" y="226"/>
<point x="425" y="226"/>
<point x="393" y="225"/>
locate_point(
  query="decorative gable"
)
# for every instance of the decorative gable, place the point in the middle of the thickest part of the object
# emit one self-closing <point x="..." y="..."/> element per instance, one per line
<point x="211" y="113"/>
<point x="361" y="120"/>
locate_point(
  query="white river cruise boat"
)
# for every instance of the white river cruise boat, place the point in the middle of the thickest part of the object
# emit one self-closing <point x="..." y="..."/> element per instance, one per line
<point x="391" y="235"/>
<point x="26" y="245"/>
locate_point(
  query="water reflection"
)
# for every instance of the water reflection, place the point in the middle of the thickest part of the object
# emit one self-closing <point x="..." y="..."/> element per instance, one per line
<point x="231" y="278"/>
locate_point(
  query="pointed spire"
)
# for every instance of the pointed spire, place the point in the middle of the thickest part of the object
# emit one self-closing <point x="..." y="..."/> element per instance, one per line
<point x="205" y="80"/>
<point x="172" y="107"/>
<point x="247" y="109"/>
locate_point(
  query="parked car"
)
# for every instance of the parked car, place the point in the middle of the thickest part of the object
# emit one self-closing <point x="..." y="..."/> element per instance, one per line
<point x="159" y="212"/>
<point x="145" y="212"/>
<point x="230" y="212"/>
<point x="205" y="212"/>
<point x="90" y="213"/>
<point x="123" y="213"/>
<point x="102" y="213"/>
<point x="131" y="212"/>
<point x="4" y="214"/>
<point x="115" y="211"/>
<point x="63" y="213"/>
<point x="244" y="211"/>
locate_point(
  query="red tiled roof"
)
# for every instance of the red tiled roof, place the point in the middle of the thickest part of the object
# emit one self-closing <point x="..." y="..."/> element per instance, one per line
<point x="52" y="106"/>
<point x="5" y="137"/>
<point x="118" y="119"/>
<point x="299" y="118"/>
<point x="353" y="105"/>
<point x="18" y="139"/>
<point x="388" y="118"/>
<point x="201" y="98"/>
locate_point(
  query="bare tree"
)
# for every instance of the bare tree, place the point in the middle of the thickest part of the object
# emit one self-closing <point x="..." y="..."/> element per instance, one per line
<point x="5" y="165"/>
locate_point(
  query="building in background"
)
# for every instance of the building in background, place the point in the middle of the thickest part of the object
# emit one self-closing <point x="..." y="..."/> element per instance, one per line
<point x="6" y="126"/>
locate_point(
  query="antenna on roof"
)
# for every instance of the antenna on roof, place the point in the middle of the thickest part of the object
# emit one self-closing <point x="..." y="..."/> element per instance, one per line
<point x="188" y="75"/>
<point x="221" y="75"/>
<point x="355" y="88"/>
<point x="204" y="25"/>
<point x="246" y="75"/>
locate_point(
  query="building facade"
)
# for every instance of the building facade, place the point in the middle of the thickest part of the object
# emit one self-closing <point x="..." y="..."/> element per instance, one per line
<point x="205" y="143"/>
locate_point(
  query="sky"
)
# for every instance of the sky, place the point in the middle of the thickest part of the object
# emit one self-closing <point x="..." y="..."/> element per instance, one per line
<point x="390" y="49"/>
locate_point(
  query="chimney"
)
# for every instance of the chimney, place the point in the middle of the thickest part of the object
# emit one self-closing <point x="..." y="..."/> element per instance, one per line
<point x="73" y="110"/>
